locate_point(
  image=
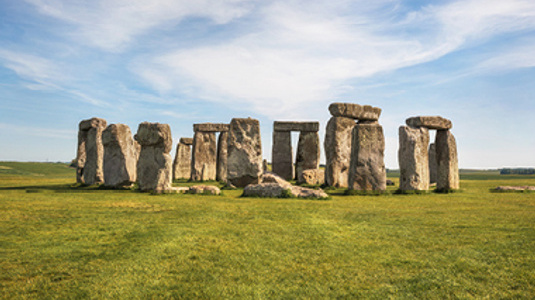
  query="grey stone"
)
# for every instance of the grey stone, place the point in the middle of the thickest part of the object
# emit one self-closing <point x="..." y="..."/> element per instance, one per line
<point x="244" y="152"/>
<point x="282" y="155"/>
<point x="433" y="166"/>
<point x="308" y="152"/>
<point x="186" y="141"/>
<point x="90" y="158"/>
<point x="182" y="162"/>
<point x="204" y="189"/>
<point x="413" y="158"/>
<point x="355" y="111"/>
<point x="430" y="122"/>
<point x="204" y="156"/>
<point x="265" y="165"/>
<point x="210" y="127"/>
<point x="389" y="182"/>
<point x="280" y="190"/>
<point x="367" y="170"/>
<point x="222" y="157"/>
<point x="120" y="156"/>
<point x="274" y="178"/>
<point x="312" y="176"/>
<point x="447" y="161"/>
<point x="337" y="147"/>
<point x="515" y="188"/>
<point x="296" y="126"/>
<point x="154" y="166"/>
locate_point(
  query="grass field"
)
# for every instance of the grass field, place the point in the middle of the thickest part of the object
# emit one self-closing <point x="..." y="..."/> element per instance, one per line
<point x="61" y="242"/>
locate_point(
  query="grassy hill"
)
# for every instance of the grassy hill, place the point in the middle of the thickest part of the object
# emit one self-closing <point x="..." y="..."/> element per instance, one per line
<point x="62" y="242"/>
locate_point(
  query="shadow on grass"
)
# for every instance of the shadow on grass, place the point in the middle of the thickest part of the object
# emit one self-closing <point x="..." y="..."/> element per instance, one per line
<point x="62" y="188"/>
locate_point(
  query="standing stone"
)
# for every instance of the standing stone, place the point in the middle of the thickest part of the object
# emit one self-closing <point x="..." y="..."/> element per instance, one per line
<point x="154" y="166"/>
<point x="413" y="158"/>
<point x="447" y="162"/>
<point x="92" y="170"/>
<point x="265" y="165"/>
<point x="81" y="156"/>
<point x="282" y="154"/>
<point x="337" y="146"/>
<point x="120" y="156"/>
<point x="432" y="163"/>
<point x="244" y="152"/>
<point x="182" y="162"/>
<point x="222" y="150"/>
<point x="367" y="167"/>
<point x="204" y="158"/>
<point x="308" y="152"/>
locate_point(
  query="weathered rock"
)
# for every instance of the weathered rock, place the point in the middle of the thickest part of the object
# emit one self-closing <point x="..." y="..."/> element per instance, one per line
<point x="433" y="166"/>
<point x="244" y="152"/>
<point x="154" y="166"/>
<point x="355" y="111"/>
<point x="120" y="156"/>
<point x="265" y="165"/>
<point x="277" y="190"/>
<point x="282" y="155"/>
<point x="447" y="162"/>
<point x="182" y="162"/>
<point x="210" y="127"/>
<point x="90" y="162"/>
<point x="296" y="126"/>
<point x="204" y="189"/>
<point x="186" y="141"/>
<point x="312" y="176"/>
<point x="389" y="182"/>
<point x="367" y="168"/>
<point x="222" y="155"/>
<point x="515" y="188"/>
<point x="204" y="156"/>
<point x="337" y="147"/>
<point x="274" y="178"/>
<point x="302" y="192"/>
<point x="308" y="152"/>
<point x="413" y="158"/>
<point x="430" y="122"/>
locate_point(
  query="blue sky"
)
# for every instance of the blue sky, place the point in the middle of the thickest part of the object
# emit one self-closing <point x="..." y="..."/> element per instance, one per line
<point x="185" y="62"/>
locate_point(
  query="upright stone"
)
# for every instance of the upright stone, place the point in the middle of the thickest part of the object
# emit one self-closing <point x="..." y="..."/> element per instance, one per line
<point x="154" y="166"/>
<point x="81" y="156"/>
<point x="308" y="152"/>
<point x="282" y="155"/>
<point x="92" y="172"/>
<point x="367" y="167"/>
<point x="413" y="158"/>
<point x="222" y="151"/>
<point x="120" y="156"/>
<point x="447" y="161"/>
<point x="182" y="162"/>
<point x="433" y="166"/>
<point x="337" y="146"/>
<point x="244" y="152"/>
<point x="204" y="158"/>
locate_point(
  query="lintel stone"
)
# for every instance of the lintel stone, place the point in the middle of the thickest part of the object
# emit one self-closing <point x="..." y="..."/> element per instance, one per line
<point x="186" y="141"/>
<point x="355" y="111"/>
<point x="429" y="122"/>
<point x="296" y="126"/>
<point x="210" y="127"/>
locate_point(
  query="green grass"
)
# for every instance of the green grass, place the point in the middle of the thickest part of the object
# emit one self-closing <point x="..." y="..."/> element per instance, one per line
<point x="60" y="242"/>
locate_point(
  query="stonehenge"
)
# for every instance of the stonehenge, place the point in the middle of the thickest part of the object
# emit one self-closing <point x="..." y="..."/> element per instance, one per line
<point x="120" y="156"/>
<point x="207" y="158"/>
<point x="182" y="162"/>
<point x="244" y="156"/>
<point x="154" y="165"/>
<point x="308" y="148"/>
<point x="421" y="163"/>
<point x="90" y="154"/>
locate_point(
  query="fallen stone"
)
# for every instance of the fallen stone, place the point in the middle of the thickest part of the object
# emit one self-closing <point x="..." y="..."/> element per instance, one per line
<point x="355" y="111"/>
<point x="390" y="182"/>
<point x="204" y="156"/>
<point x="274" y="178"/>
<point x="296" y="126"/>
<point x="447" y="162"/>
<point x="244" y="162"/>
<point x="204" y="189"/>
<point x="210" y="127"/>
<point x="186" y="141"/>
<point x="337" y="147"/>
<point x="515" y="188"/>
<point x="367" y="170"/>
<point x="312" y="176"/>
<point x="308" y="152"/>
<point x="277" y="190"/>
<point x="154" y="166"/>
<point x="413" y="158"/>
<point x="120" y="156"/>
<point x="282" y="155"/>
<point x="430" y="122"/>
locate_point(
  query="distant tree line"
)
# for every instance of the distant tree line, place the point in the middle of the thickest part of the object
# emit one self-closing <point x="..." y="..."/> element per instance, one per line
<point x="517" y="171"/>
